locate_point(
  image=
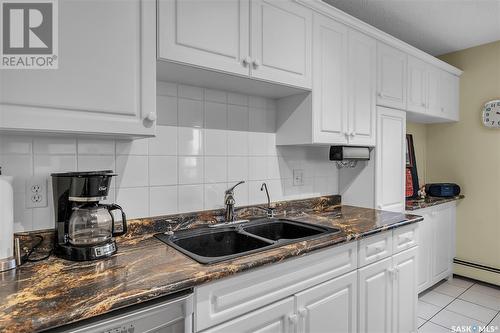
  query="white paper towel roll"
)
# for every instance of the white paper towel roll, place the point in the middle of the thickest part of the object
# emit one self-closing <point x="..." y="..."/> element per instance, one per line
<point x="6" y="217"/>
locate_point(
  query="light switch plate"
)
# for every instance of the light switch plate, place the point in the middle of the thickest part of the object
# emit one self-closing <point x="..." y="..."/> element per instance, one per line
<point x="298" y="177"/>
<point x="36" y="192"/>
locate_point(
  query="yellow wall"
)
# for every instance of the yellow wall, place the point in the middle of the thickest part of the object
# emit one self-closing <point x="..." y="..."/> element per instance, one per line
<point x="468" y="154"/>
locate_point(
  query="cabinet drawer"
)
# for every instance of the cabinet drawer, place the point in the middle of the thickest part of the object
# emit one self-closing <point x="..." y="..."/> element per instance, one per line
<point x="272" y="318"/>
<point x="374" y="248"/>
<point x="228" y="298"/>
<point x="405" y="237"/>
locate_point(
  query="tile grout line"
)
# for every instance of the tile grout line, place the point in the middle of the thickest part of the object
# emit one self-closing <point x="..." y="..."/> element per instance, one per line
<point x="444" y="307"/>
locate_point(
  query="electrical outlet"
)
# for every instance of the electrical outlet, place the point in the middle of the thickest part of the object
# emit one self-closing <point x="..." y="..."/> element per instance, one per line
<point x="36" y="192"/>
<point x="298" y="177"/>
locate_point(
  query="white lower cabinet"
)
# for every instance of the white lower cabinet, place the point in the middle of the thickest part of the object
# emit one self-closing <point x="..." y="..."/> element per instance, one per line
<point x="436" y="244"/>
<point x="404" y="292"/>
<point x="388" y="294"/>
<point x="320" y="292"/>
<point x="375" y="299"/>
<point x="328" y="307"/>
<point x="275" y="318"/>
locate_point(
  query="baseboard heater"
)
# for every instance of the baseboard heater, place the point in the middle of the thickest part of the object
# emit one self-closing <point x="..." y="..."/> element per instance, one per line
<point x="475" y="265"/>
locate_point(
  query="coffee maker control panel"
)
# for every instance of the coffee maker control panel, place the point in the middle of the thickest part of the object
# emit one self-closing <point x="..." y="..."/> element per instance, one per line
<point x="105" y="250"/>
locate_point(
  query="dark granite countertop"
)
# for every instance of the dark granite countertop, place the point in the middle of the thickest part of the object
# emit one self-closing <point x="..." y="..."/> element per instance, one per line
<point x="414" y="204"/>
<point x="55" y="292"/>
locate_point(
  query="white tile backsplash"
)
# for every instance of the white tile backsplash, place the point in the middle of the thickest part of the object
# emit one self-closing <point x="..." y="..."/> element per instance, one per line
<point x="190" y="112"/>
<point x="162" y="170"/>
<point x="95" y="147"/>
<point x="225" y="138"/>
<point x="190" y="141"/>
<point x="55" y="145"/>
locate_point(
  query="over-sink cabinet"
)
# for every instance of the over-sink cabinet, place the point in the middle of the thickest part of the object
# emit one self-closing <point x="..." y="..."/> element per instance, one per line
<point x="249" y="38"/>
<point x="344" y="84"/>
<point x="342" y="107"/>
<point x="324" y="291"/>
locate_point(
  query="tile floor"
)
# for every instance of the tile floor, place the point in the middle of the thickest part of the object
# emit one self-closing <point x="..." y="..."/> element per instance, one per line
<point x="459" y="302"/>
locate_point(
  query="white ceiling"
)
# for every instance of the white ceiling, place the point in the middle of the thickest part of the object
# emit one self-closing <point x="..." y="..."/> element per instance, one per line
<point x="434" y="26"/>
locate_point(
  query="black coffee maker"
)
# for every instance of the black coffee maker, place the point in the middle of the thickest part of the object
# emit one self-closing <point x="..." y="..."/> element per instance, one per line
<point x="85" y="229"/>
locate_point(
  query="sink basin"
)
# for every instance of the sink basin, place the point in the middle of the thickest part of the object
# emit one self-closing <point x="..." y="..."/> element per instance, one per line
<point x="208" y="246"/>
<point x="211" y="245"/>
<point x="283" y="229"/>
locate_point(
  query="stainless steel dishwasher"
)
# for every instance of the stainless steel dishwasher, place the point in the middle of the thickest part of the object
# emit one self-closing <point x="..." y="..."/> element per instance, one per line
<point x="172" y="315"/>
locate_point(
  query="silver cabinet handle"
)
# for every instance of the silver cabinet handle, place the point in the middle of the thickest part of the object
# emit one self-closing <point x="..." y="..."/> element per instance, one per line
<point x="151" y="117"/>
<point x="256" y="63"/>
<point x="293" y="318"/>
<point x="246" y="61"/>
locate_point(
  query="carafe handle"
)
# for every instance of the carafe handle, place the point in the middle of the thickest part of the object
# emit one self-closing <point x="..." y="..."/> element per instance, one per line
<point x="112" y="207"/>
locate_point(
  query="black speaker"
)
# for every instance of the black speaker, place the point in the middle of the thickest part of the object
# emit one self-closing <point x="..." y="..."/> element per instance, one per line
<point x="444" y="190"/>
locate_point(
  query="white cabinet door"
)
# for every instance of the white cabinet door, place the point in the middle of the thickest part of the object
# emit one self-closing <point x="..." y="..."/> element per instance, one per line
<point x="281" y="34"/>
<point x="375" y="300"/>
<point x="418" y="85"/>
<point x="425" y="237"/>
<point x="106" y="80"/>
<point x="278" y="317"/>
<point x="442" y="239"/>
<point x="434" y="92"/>
<point x="390" y="160"/>
<point x="449" y="89"/>
<point x="391" y="77"/>
<point x="329" y="307"/>
<point x="207" y="33"/>
<point x="361" y="83"/>
<point x="404" y="291"/>
<point x="330" y="89"/>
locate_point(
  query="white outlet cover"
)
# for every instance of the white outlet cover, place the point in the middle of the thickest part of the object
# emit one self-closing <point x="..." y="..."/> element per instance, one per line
<point x="298" y="177"/>
<point x="36" y="192"/>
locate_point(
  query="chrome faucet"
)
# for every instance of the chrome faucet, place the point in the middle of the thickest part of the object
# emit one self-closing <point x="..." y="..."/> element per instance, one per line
<point x="269" y="209"/>
<point x="229" y="202"/>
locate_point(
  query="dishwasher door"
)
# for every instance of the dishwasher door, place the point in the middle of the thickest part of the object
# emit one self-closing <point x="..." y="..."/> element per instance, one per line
<point x="169" y="316"/>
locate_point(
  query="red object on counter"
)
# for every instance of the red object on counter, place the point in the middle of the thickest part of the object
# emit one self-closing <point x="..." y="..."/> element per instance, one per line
<point x="409" y="183"/>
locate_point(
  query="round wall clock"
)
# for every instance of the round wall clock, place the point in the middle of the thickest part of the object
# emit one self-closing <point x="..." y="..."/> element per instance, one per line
<point x="491" y="114"/>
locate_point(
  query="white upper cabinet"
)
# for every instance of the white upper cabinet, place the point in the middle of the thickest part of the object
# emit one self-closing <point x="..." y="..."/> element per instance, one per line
<point x="432" y="92"/>
<point x="330" y="111"/>
<point x="449" y="92"/>
<point x="106" y="80"/>
<point x="361" y="93"/>
<point x="390" y="159"/>
<point x="281" y="42"/>
<point x="391" y="77"/>
<point x="343" y="98"/>
<point x="208" y="33"/>
<point x="263" y="39"/>
<point x="418" y="85"/>
<point x="434" y="95"/>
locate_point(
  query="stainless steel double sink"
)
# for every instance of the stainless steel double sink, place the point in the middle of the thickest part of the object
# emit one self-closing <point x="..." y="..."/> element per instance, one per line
<point x="211" y="245"/>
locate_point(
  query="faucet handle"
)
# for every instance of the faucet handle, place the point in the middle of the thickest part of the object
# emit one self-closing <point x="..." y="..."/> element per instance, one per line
<point x="231" y="189"/>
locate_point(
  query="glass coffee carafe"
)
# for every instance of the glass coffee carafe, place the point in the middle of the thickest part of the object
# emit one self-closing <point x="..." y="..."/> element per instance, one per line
<point x="93" y="223"/>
